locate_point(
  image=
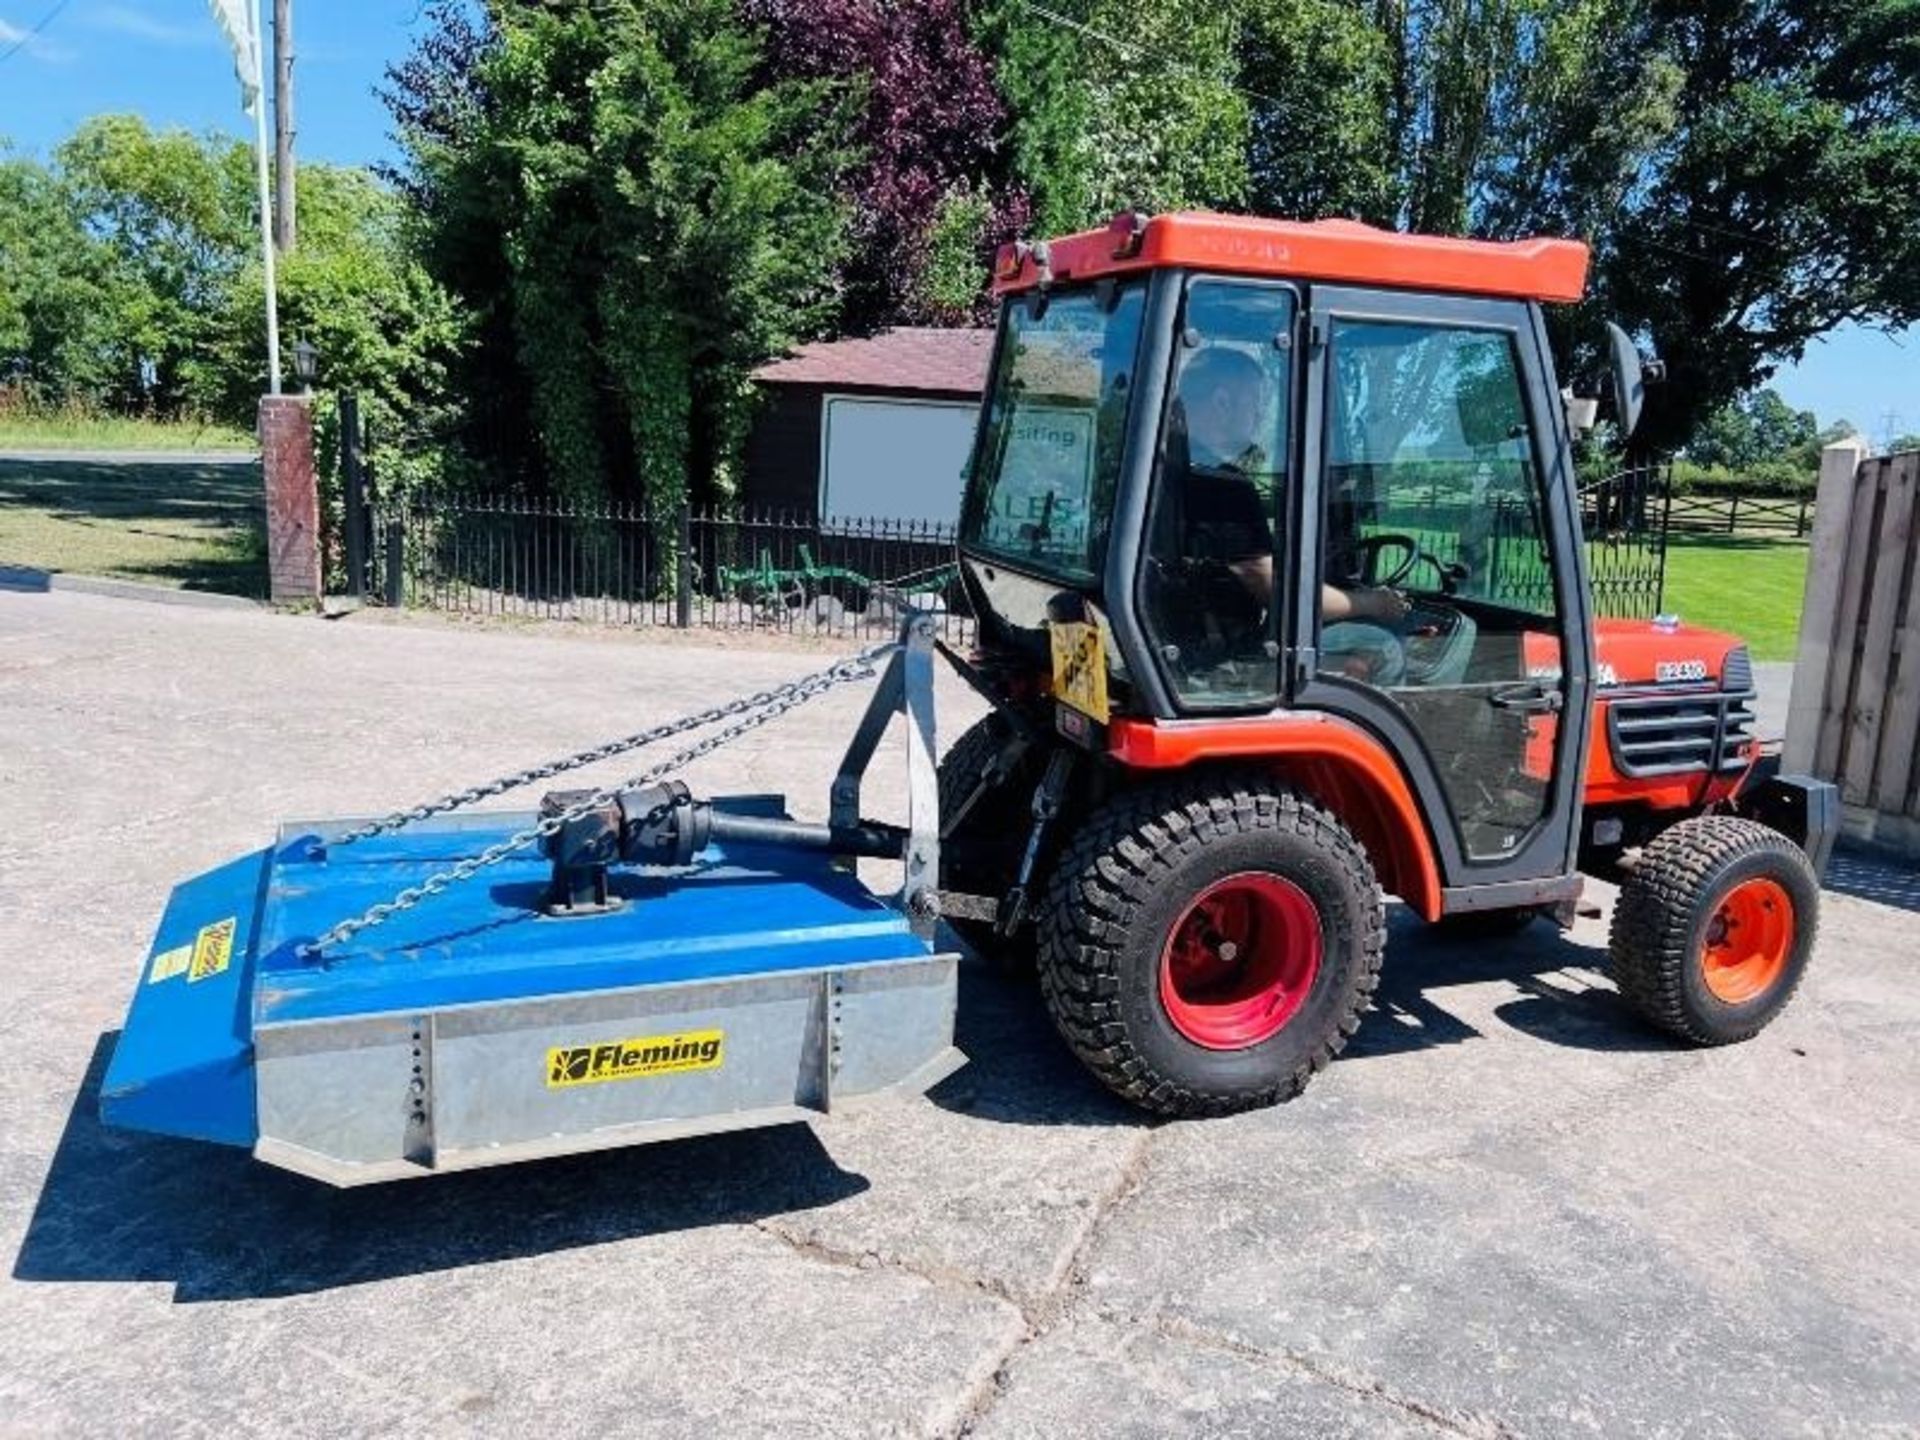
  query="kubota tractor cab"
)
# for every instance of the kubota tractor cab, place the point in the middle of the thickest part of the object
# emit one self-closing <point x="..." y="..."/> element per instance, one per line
<point x="1274" y="539"/>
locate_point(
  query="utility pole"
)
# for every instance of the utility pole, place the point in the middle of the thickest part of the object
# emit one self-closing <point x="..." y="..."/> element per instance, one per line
<point x="283" y="216"/>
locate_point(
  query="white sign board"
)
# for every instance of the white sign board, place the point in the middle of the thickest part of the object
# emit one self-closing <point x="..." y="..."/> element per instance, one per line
<point x="894" y="459"/>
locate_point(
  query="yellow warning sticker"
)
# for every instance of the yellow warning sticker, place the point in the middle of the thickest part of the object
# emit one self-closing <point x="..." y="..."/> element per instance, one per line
<point x="212" y="949"/>
<point x="169" y="963"/>
<point x="1080" y="667"/>
<point x="634" y="1059"/>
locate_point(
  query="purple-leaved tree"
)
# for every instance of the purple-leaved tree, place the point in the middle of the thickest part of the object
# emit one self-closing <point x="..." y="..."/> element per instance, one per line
<point x="928" y="124"/>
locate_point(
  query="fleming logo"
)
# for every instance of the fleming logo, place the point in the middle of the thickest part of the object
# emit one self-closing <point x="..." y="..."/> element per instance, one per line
<point x="634" y="1059"/>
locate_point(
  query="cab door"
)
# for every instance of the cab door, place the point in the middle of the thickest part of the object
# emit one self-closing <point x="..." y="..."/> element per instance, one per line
<point x="1441" y="584"/>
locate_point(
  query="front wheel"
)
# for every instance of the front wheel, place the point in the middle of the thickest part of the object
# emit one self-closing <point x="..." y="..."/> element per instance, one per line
<point x="1209" y="943"/>
<point x="1714" y="927"/>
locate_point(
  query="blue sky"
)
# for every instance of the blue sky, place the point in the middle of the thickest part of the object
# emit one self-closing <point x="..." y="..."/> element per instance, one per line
<point x="165" y="60"/>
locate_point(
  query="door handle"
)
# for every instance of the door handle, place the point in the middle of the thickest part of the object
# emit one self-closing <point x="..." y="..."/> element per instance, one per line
<point x="1533" y="699"/>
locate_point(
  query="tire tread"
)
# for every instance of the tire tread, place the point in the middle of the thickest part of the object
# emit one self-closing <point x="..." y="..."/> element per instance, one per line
<point x="1101" y="882"/>
<point x="1650" y="940"/>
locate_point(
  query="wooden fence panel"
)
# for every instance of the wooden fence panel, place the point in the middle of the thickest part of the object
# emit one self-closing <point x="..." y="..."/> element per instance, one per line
<point x="1893" y="540"/>
<point x="1855" y="717"/>
<point x="1826" y="564"/>
<point x="1844" y="657"/>
<point x="1900" y="730"/>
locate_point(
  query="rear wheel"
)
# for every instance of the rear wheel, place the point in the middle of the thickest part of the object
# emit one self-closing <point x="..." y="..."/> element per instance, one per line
<point x="1208" y="944"/>
<point x="1714" y="927"/>
<point x="982" y="854"/>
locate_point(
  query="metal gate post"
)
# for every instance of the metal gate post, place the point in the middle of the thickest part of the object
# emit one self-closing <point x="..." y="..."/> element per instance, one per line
<point x="354" y="486"/>
<point x="396" y="561"/>
<point x="683" y="566"/>
<point x="1666" y="521"/>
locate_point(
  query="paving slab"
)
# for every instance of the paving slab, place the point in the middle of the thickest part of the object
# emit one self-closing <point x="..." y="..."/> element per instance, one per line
<point x="1005" y="1171"/>
<point x="1147" y="1382"/>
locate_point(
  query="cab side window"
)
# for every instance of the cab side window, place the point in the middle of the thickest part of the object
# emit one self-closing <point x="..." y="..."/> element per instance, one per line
<point x="1219" y="494"/>
<point x="1439" y="582"/>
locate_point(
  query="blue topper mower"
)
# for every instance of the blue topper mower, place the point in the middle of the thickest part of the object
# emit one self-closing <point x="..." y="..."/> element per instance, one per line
<point x="435" y="990"/>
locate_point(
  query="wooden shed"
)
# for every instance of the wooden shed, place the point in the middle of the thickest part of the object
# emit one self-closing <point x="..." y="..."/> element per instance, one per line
<point x="878" y="427"/>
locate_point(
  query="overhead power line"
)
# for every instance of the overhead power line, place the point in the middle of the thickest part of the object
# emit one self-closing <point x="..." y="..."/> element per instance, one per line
<point x="34" y="32"/>
<point x="1135" y="51"/>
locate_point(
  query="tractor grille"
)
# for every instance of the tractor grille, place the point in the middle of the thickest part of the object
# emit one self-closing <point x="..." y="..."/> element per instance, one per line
<point x="1675" y="734"/>
<point x="1736" y="676"/>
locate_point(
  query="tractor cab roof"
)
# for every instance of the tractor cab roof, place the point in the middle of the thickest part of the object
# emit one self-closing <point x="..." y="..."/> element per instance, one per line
<point x="1338" y="250"/>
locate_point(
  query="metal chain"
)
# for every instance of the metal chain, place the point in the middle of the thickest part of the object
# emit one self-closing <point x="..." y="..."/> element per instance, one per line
<point x="778" y="702"/>
<point x="854" y="667"/>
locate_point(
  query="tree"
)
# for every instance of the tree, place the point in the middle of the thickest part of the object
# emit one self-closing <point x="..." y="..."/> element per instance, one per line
<point x="1782" y="205"/>
<point x="136" y="257"/>
<point x="172" y="212"/>
<point x="1742" y="168"/>
<point x="638" y="218"/>
<point x="1319" y="80"/>
<point x="57" y="307"/>
<point x="1758" y="427"/>
<point x="926" y="185"/>
<point x="1117" y="104"/>
<point x="380" y="325"/>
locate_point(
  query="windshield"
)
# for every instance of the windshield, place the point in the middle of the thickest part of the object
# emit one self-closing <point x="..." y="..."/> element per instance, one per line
<point x="1042" y="491"/>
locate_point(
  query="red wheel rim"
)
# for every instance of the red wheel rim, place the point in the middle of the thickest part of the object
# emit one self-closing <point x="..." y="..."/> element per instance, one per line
<point x="1747" y="942"/>
<point x="1240" y="961"/>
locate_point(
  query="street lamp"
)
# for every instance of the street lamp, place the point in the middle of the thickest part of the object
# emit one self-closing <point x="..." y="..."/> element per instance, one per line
<point x="305" y="362"/>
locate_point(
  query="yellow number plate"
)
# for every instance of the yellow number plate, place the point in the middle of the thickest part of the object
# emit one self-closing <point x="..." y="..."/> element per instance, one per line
<point x="1080" y="667"/>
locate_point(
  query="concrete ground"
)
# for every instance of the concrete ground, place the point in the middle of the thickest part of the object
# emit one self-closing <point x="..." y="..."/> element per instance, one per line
<point x="1510" y="1210"/>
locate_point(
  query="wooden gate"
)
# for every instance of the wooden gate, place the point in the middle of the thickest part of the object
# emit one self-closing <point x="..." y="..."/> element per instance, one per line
<point x="1855" y="716"/>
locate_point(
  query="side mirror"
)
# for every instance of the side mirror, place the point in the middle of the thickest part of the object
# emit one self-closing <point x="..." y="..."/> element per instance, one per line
<point x="1630" y="379"/>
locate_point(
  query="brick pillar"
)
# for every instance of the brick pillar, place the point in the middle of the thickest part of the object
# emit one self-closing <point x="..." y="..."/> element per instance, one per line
<point x="293" y="498"/>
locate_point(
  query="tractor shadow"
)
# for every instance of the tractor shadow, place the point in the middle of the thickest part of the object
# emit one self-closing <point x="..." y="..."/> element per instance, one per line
<point x="1019" y="1071"/>
<point x="1562" y="999"/>
<point x="219" y="1225"/>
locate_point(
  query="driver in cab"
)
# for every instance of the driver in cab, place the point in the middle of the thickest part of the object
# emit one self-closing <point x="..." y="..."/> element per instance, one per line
<point x="1226" y="514"/>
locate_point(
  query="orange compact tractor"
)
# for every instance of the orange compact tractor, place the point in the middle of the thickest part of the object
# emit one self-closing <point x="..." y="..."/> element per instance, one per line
<point x="1274" y="540"/>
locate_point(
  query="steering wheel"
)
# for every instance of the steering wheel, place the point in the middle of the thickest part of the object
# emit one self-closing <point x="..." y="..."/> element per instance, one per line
<point x="1367" y="557"/>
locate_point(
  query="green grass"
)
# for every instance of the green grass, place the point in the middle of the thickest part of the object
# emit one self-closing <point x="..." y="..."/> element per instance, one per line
<point x="195" y="527"/>
<point x="23" y="430"/>
<point x="1743" y="584"/>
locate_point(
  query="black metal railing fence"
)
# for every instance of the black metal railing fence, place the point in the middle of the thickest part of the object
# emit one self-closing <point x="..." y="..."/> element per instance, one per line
<point x="610" y="563"/>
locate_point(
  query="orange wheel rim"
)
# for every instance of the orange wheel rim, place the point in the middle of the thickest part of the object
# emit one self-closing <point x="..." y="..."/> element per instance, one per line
<point x="1749" y="937"/>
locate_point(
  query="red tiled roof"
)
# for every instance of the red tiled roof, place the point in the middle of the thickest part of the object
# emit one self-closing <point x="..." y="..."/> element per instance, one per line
<point x="909" y="358"/>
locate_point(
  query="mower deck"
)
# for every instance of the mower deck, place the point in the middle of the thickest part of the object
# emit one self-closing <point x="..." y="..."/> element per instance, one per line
<point x="754" y="986"/>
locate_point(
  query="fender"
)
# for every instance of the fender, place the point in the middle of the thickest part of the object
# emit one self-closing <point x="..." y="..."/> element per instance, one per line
<point x="1332" y="759"/>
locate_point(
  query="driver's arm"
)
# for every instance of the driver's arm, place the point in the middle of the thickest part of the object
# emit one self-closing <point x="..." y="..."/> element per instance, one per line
<point x="1256" y="573"/>
<point x="1362" y="603"/>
